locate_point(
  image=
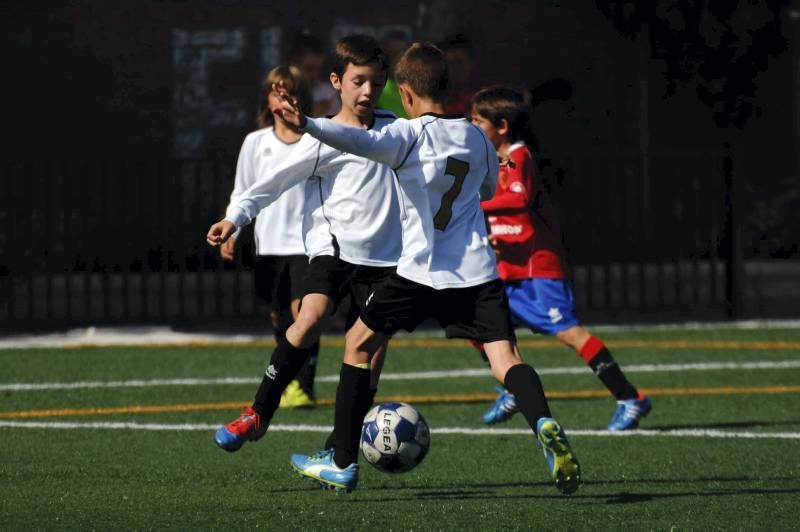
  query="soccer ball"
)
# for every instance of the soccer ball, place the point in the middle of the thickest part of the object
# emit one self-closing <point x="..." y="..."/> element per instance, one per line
<point x="395" y="437"/>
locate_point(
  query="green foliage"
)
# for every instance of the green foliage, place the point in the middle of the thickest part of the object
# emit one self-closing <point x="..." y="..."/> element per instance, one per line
<point x="773" y="219"/>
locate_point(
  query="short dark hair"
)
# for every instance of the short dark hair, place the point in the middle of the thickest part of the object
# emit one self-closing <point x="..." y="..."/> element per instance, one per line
<point x="293" y="81"/>
<point x="358" y="50"/>
<point x="424" y="68"/>
<point x="504" y="102"/>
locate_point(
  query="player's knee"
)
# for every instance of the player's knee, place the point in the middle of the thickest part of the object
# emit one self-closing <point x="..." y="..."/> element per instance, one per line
<point x="352" y="347"/>
<point x="306" y="328"/>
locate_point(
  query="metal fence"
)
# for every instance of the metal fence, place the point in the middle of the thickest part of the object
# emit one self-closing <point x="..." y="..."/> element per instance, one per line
<point x="122" y="242"/>
<point x="650" y="238"/>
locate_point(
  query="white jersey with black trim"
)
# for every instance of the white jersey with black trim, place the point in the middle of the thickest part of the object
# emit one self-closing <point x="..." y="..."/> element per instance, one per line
<point x="279" y="228"/>
<point x="352" y="207"/>
<point x="444" y="166"/>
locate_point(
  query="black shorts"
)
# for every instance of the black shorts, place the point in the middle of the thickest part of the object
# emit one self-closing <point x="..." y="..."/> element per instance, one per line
<point x="279" y="279"/>
<point x="339" y="279"/>
<point x="363" y="283"/>
<point x="478" y="313"/>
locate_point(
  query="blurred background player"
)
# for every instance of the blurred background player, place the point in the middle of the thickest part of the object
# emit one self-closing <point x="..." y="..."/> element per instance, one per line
<point x="351" y="226"/>
<point x="395" y="42"/>
<point x="446" y="270"/>
<point x="281" y="263"/>
<point x="531" y="259"/>
<point x="460" y="55"/>
<point x="309" y="56"/>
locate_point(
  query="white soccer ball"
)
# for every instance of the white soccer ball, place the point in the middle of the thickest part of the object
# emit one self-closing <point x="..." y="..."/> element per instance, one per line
<point x="395" y="437"/>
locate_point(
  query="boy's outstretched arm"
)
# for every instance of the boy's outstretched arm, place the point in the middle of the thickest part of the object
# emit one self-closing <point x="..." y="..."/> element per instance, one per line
<point x="299" y="166"/>
<point x="389" y="146"/>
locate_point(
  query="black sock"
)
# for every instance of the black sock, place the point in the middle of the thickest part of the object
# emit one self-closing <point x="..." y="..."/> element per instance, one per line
<point x="352" y="403"/>
<point x="595" y="353"/>
<point x="524" y="383"/>
<point x="283" y="366"/>
<point x="330" y="443"/>
<point x="309" y="370"/>
<point x="610" y="374"/>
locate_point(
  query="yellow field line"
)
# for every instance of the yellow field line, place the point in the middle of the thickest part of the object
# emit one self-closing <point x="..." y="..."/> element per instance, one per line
<point x="439" y="343"/>
<point x="417" y="399"/>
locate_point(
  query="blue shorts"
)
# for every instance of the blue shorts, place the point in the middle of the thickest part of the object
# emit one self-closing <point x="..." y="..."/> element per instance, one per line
<point x="547" y="306"/>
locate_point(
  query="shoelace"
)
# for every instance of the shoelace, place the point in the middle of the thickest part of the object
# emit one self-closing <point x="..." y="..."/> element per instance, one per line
<point x="632" y="411"/>
<point x="508" y="402"/>
<point x="321" y="455"/>
<point x="245" y="419"/>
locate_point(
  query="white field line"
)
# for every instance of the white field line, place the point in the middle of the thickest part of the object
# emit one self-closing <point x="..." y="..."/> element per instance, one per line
<point x="143" y="335"/>
<point x="420" y="375"/>
<point x="677" y="433"/>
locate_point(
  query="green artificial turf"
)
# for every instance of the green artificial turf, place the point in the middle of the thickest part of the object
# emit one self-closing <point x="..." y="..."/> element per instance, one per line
<point x="104" y="478"/>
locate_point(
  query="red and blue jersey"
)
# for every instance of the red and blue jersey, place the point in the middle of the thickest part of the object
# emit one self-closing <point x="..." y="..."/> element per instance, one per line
<point x="523" y="223"/>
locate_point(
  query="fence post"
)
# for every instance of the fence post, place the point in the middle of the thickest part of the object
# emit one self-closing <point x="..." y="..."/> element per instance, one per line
<point x="732" y="172"/>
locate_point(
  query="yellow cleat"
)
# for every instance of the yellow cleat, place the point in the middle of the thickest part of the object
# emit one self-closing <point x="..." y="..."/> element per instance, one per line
<point x="294" y="397"/>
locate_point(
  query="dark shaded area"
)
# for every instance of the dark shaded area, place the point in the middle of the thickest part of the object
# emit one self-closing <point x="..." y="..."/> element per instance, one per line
<point x="720" y="47"/>
<point x="720" y="50"/>
<point x="666" y="133"/>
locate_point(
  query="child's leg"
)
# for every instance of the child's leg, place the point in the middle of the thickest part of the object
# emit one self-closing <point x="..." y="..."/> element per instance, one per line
<point x="376" y="366"/>
<point x="308" y="370"/>
<point x="547" y="306"/>
<point x="524" y="383"/>
<point x="307" y="327"/>
<point x="518" y="378"/>
<point x="287" y="359"/>
<point x="355" y="392"/>
<point x="599" y="358"/>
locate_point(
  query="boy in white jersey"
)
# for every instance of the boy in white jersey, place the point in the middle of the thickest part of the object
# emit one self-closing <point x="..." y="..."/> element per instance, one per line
<point x="280" y="264"/>
<point x="351" y="225"/>
<point x="446" y="270"/>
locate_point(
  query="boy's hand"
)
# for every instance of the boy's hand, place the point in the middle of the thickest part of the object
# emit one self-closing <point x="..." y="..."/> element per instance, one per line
<point x="289" y="109"/>
<point x="495" y="245"/>
<point x="227" y="250"/>
<point x="508" y="161"/>
<point x="220" y="232"/>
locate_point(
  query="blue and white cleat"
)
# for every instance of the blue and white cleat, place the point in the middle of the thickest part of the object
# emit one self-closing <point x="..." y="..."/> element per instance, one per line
<point x="323" y="469"/>
<point x="562" y="464"/>
<point x="502" y="409"/>
<point x="629" y="413"/>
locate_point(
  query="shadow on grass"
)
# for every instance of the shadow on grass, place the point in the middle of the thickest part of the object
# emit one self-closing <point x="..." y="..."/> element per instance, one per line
<point x="628" y="498"/>
<point x="726" y="425"/>
<point x="544" y="491"/>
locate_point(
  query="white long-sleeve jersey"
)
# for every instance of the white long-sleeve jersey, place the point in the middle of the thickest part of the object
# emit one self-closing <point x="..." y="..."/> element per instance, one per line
<point x="352" y="207"/>
<point x="279" y="228"/>
<point x="444" y="165"/>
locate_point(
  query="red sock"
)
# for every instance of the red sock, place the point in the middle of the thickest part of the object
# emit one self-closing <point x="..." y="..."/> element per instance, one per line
<point x="590" y="349"/>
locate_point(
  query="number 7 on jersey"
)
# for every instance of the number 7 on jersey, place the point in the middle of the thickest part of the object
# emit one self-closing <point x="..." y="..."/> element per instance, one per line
<point x="458" y="169"/>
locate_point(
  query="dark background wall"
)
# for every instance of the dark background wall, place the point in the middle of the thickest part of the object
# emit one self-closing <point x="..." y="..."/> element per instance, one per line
<point x="642" y="109"/>
<point x="128" y="75"/>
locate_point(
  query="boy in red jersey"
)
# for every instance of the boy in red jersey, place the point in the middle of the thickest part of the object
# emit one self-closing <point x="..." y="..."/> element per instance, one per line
<point x="530" y="256"/>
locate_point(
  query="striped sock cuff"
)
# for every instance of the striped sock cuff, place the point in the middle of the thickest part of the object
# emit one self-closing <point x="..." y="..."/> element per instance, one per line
<point x="590" y="349"/>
